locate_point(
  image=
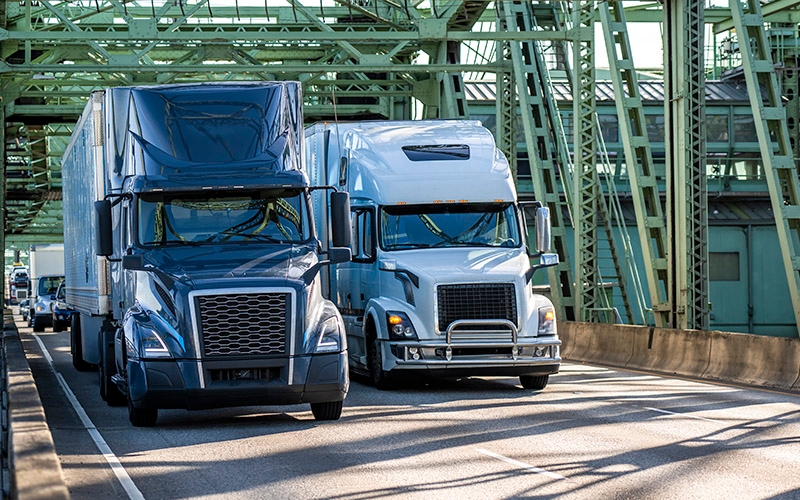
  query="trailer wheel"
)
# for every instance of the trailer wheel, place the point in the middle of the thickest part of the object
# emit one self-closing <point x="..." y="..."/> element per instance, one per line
<point x="76" y="348"/>
<point x="106" y="369"/>
<point x="534" y="382"/>
<point x="330" y="410"/>
<point x="141" y="417"/>
<point x="380" y="379"/>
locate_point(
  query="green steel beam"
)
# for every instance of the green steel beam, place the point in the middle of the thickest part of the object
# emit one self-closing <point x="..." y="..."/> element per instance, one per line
<point x="530" y="76"/>
<point x="588" y="282"/>
<point x="687" y="194"/>
<point x="638" y="158"/>
<point x="774" y="11"/>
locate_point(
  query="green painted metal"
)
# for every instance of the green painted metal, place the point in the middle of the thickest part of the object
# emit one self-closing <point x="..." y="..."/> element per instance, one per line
<point x="687" y="194"/>
<point x="539" y="142"/>
<point x="586" y="212"/>
<point x="777" y="158"/>
<point x="506" y="105"/>
<point x="638" y="158"/>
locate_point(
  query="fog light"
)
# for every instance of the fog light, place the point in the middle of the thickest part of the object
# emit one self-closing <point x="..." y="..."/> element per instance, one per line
<point x="414" y="353"/>
<point x="539" y="352"/>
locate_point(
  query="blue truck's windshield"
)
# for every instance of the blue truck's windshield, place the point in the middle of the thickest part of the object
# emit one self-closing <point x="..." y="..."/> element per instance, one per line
<point x="449" y="225"/>
<point x="271" y="215"/>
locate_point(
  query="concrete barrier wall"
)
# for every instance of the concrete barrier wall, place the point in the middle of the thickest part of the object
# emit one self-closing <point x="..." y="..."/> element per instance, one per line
<point x="35" y="469"/>
<point x="739" y="358"/>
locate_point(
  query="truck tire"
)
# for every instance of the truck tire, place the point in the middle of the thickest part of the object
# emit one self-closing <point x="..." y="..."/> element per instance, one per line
<point x="58" y="326"/>
<point x="534" y="382"/>
<point x="36" y="324"/>
<point x="141" y="417"/>
<point x="107" y="368"/>
<point x="76" y="348"/>
<point x="380" y="379"/>
<point x="330" y="410"/>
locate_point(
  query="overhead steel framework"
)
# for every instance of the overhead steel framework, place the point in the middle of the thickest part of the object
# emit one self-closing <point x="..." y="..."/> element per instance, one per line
<point x="360" y="59"/>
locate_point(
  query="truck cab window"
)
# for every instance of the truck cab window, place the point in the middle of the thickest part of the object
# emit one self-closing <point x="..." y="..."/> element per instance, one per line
<point x="273" y="215"/>
<point x="406" y="227"/>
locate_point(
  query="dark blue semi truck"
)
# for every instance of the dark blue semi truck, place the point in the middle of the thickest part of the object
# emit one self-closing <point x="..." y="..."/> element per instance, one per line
<point x="192" y="259"/>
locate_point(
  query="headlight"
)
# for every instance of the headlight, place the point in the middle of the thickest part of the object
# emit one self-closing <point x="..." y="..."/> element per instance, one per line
<point x="547" y="321"/>
<point x="399" y="326"/>
<point x="150" y="343"/>
<point x="330" y="335"/>
<point x="40" y="308"/>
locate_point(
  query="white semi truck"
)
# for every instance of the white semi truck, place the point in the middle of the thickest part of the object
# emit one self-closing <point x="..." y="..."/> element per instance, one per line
<point x="440" y="278"/>
<point x="46" y="265"/>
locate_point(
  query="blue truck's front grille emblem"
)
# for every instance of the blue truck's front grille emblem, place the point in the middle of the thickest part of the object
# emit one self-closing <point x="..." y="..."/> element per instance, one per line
<point x="243" y="324"/>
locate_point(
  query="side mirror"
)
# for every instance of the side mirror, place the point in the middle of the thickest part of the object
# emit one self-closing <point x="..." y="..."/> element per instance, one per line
<point x="105" y="244"/>
<point x="340" y="219"/>
<point x="133" y="262"/>
<point x="543" y="230"/>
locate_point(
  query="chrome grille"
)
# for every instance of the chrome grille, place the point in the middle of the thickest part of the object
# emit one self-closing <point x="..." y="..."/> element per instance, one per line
<point x="243" y="324"/>
<point x="476" y="301"/>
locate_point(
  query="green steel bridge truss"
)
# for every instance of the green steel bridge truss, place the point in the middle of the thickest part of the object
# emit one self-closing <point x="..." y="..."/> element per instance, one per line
<point x="398" y="59"/>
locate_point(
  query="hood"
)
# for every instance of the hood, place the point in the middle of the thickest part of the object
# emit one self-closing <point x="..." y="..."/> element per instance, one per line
<point x="463" y="265"/>
<point x="190" y="264"/>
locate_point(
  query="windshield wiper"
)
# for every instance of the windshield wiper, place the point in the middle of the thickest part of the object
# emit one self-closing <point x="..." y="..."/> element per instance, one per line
<point x="405" y="246"/>
<point x="172" y="243"/>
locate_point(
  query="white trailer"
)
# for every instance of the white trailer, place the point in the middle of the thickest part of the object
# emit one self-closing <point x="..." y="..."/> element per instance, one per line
<point x="440" y="278"/>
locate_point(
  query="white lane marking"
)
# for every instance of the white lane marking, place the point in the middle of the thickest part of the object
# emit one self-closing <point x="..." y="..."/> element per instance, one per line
<point x="681" y="414"/>
<point x="116" y="466"/>
<point x="522" y="465"/>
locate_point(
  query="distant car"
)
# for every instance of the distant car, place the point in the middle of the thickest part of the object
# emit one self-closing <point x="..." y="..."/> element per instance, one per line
<point x="62" y="313"/>
<point x="23" y="309"/>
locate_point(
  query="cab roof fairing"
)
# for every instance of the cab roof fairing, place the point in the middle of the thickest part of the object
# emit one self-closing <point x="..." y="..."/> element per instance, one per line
<point x="221" y="129"/>
<point x="379" y="169"/>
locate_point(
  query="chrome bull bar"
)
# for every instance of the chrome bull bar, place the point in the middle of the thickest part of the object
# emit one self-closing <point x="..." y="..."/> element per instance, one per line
<point x="548" y="346"/>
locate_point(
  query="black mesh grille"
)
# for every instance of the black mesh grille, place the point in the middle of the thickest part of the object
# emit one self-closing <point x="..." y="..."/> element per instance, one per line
<point x="476" y="301"/>
<point x="243" y="324"/>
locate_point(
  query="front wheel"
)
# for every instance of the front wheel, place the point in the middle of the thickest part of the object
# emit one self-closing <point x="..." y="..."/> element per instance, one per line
<point x="106" y="369"/>
<point x="330" y="410"/>
<point x="534" y="382"/>
<point x="380" y="378"/>
<point x="37" y="324"/>
<point x="145" y="417"/>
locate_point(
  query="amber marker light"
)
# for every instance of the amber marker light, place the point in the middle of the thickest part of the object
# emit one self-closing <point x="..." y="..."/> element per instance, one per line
<point x="395" y="319"/>
<point x="550" y="315"/>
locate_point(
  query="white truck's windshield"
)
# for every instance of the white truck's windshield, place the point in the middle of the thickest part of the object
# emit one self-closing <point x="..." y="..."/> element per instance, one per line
<point x="449" y="225"/>
<point x="273" y="215"/>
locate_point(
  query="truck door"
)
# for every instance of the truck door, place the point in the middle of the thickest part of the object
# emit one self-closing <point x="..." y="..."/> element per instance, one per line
<point x="357" y="279"/>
